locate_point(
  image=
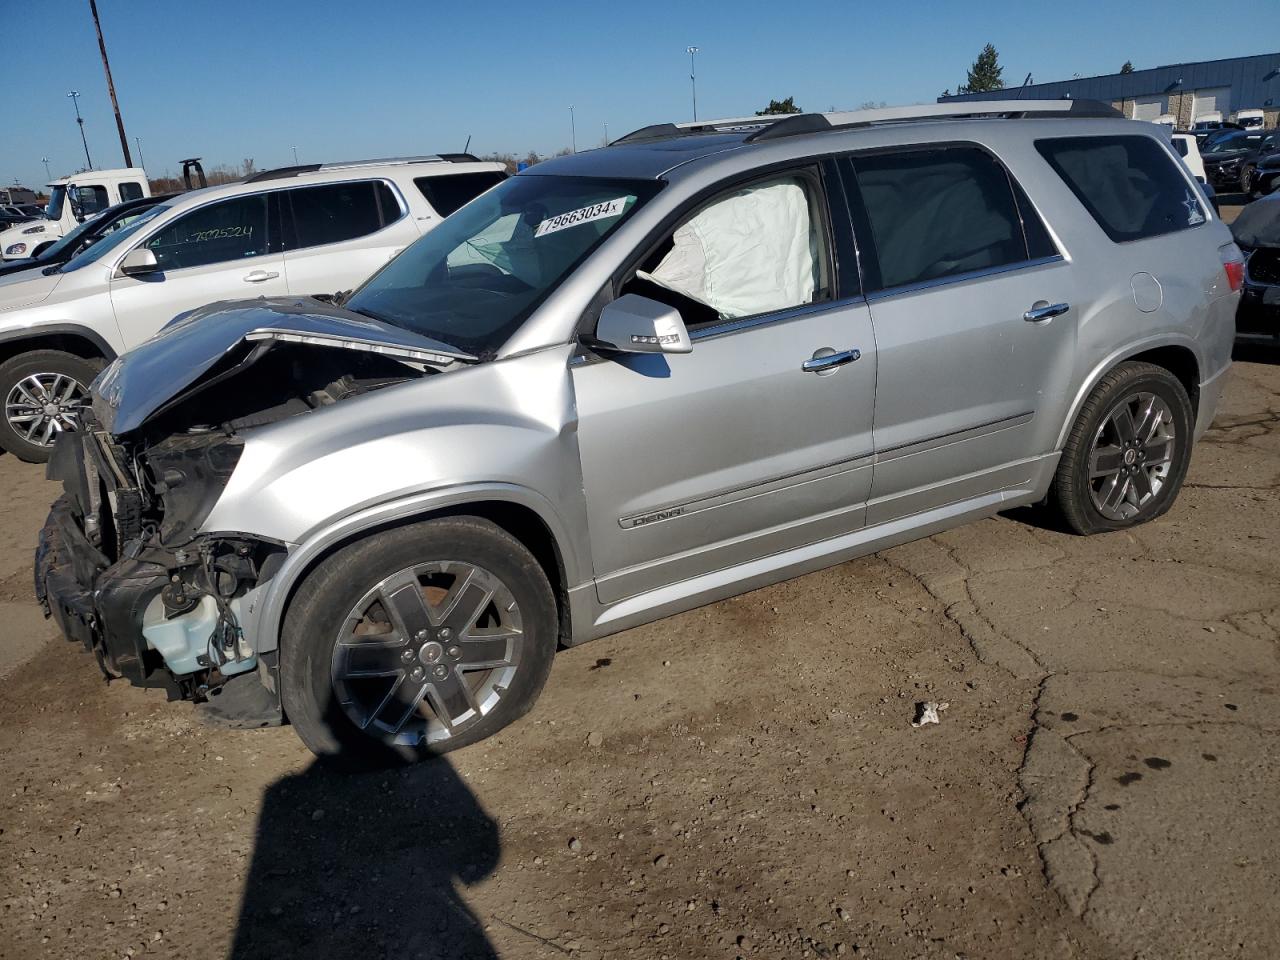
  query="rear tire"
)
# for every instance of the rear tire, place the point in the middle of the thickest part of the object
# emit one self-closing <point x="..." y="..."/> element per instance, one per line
<point x="1128" y="451"/>
<point x="386" y="637"/>
<point x="43" y="392"/>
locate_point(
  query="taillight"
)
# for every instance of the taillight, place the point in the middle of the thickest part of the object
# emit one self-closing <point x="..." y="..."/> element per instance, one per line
<point x="1232" y="265"/>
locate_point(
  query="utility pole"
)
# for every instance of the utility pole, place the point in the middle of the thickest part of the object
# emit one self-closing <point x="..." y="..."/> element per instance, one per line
<point x="693" y="78"/>
<point x="47" y="174"/>
<point x="573" y="130"/>
<point x="111" y="86"/>
<point x="75" y="99"/>
<point x="138" y="143"/>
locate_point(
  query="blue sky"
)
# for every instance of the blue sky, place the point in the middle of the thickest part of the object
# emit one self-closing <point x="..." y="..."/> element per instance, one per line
<point x="341" y="81"/>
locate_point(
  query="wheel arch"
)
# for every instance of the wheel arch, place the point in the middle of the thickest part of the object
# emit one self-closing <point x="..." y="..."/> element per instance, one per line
<point x="1177" y="355"/>
<point x="515" y="510"/>
<point x="67" y="337"/>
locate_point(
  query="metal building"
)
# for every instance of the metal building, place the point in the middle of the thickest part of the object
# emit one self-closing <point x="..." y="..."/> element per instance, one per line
<point x="1186" y="91"/>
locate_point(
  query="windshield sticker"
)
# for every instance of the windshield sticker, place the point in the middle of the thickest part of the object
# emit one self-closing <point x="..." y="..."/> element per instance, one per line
<point x="1194" y="216"/>
<point x="597" y="211"/>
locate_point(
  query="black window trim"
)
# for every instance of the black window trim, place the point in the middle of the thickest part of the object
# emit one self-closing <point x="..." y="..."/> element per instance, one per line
<point x="865" y="236"/>
<point x="1206" y="208"/>
<point x="813" y="169"/>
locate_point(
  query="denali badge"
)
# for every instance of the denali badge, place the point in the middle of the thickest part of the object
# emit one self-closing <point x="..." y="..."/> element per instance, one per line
<point x="628" y="522"/>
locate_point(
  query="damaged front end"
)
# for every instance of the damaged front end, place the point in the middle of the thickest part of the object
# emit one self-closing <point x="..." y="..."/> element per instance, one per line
<point x="123" y="564"/>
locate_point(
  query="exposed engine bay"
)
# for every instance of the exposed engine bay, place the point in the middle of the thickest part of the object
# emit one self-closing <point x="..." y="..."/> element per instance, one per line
<point x="121" y="564"/>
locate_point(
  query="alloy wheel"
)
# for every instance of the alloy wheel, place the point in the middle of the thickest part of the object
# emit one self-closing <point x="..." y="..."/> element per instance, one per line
<point x="42" y="405"/>
<point x="427" y="652"/>
<point x="1131" y="456"/>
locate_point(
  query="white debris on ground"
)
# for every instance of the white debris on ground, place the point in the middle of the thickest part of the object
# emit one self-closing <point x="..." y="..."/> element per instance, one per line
<point x="928" y="713"/>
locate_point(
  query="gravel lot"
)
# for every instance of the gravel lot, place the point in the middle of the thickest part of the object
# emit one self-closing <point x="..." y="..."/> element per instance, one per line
<point x="1103" y="784"/>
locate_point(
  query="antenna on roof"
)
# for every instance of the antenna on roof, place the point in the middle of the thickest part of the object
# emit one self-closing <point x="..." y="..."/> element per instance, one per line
<point x="467" y="148"/>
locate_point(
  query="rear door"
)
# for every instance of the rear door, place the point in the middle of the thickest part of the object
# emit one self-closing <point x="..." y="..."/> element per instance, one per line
<point x="693" y="463"/>
<point x="338" y="234"/>
<point x="975" y="329"/>
<point x="228" y="249"/>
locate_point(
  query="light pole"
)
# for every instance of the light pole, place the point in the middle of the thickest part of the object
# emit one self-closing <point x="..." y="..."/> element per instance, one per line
<point x="75" y="99"/>
<point x="693" y="78"/>
<point x="295" y="156"/>
<point x="138" y="144"/>
<point x="47" y="174"/>
<point x="573" y="131"/>
<point x="606" y="133"/>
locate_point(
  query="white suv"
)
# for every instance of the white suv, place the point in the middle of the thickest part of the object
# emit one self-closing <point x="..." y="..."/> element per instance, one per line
<point x="305" y="230"/>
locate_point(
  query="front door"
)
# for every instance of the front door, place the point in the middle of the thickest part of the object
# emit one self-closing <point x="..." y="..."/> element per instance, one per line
<point x="225" y="250"/>
<point x="694" y="463"/>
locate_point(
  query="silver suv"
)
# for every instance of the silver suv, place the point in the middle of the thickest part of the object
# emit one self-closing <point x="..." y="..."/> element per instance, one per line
<point x="632" y="381"/>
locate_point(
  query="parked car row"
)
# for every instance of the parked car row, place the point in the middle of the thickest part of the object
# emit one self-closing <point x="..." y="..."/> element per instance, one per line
<point x="316" y="229"/>
<point x="628" y="382"/>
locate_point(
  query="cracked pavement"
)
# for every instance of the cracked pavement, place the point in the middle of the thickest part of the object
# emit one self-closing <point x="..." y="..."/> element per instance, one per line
<point x="738" y="781"/>
<point x="1150" y="769"/>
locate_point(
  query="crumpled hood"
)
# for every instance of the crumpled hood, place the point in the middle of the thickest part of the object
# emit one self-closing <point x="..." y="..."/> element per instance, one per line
<point x="157" y="374"/>
<point x="26" y="288"/>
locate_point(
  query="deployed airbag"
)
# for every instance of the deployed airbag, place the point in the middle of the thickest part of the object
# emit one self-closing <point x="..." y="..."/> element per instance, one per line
<point x="750" y="253"/>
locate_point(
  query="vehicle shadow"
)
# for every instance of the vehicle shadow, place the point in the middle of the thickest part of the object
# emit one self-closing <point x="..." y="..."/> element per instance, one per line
<point x="1255" y="352"/>
<point x="366" y="866"/>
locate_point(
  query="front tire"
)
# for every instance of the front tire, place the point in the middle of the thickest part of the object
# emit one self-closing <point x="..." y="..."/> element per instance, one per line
<point x="1128" y="451"/>
<point x="44" y="392"/>
<point x="415" y="642"/>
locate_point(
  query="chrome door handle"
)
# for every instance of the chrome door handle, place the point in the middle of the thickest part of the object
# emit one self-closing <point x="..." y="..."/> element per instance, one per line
<point x="258" y="276"/>
<point x="827" y="360"/>
<point x="1043" y="310"/>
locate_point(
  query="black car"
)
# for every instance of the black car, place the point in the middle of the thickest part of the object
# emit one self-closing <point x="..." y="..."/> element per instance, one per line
<point x="1230" y="161"/>
<point x="1257" y="233"/>
<point x="83" y="235"/>
<point x="1265" y="176"/>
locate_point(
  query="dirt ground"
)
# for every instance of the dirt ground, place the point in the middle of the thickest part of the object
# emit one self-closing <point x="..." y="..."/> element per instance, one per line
<point x="1103" y="784"/>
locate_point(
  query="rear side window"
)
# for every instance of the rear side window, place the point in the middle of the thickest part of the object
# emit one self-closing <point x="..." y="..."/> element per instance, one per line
<point x="129" y="190"/>
<point x="943" y="212"/>
<point x="1129" y="184"/>
<point x="334" y="212"/>
<point x="450" y="192"/>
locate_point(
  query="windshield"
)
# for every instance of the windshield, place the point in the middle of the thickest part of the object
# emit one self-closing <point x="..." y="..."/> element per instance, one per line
<point x="1235" y="141"/>
<point x="474" y="279"/>
<point x="71" y="240"/>
<point x="112" y="240"/>
<point x="54" y="208"/>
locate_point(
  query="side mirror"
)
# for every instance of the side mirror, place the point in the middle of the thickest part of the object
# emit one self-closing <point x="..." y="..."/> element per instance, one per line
<point x="139" y="262"/>
<point x="636" y="324"/>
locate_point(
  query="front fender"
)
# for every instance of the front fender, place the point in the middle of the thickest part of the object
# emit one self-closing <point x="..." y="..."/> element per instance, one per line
<point x="263" y="615"/>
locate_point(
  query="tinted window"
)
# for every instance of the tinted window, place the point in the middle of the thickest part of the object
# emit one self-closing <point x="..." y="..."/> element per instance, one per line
<point x="448" y="193"/>
<point x="130" y="191"/>
<point x="221" y="232"/>
<point x="937" y="213"/>
<point x="1181" y="146"/>
<point x="340" y="211"/>
<point x="86" y="201"/>
<point x="1130" y="185"/>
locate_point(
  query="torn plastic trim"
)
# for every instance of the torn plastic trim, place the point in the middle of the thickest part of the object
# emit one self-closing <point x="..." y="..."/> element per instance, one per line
<point x="365" y="346"/>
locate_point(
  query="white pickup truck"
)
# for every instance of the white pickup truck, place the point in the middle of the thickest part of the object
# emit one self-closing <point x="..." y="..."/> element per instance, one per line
<point x="73" y="200"/>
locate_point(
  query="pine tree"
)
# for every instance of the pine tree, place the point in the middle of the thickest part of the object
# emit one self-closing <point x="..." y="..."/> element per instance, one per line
<point x="985" y="73"/>
<point x="780" y="106"/>
<point x="1128" y="67"/>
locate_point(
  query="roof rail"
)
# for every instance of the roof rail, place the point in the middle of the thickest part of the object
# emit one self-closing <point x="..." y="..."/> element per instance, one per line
<point x="665" y="131"/>
<point x="776" y="125"/>
<point x="280" y="173"/>
<point x="957" y="110"/>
